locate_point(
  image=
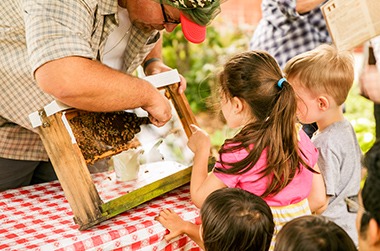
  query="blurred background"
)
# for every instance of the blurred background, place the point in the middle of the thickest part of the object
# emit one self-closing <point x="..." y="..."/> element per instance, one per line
<point x="228" y="34"/>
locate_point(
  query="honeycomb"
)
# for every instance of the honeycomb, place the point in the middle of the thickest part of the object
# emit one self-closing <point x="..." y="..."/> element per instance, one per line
<point x="101" y="134"/>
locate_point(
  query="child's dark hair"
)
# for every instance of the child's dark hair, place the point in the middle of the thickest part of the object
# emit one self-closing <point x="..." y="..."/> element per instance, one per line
<point x="371" y="190"/>
<point x="313" y="233"/>
<point x="234" y="219"/>
<point x="253" y="76"/>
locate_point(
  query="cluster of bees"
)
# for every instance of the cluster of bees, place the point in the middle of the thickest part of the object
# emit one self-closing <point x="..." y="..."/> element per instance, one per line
<point x="97" y="133"/>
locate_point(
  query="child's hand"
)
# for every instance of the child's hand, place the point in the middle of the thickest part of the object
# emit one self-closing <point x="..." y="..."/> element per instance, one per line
<point x="172" y="222"/>
<point x="199" y="140"/>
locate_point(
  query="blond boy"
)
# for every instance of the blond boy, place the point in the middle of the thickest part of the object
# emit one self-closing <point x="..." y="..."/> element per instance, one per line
<point x="322" y="79"/>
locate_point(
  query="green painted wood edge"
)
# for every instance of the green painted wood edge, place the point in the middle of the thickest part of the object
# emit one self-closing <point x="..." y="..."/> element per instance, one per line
<point x="146" y="193"/>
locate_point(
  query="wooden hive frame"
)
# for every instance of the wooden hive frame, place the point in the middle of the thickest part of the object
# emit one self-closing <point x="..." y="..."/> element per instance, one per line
<point x="75" y="178"/>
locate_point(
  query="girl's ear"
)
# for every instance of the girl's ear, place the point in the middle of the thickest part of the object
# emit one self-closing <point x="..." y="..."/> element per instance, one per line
<point x="323" y="103"/>
<point x="238" y="104"/>
<point x="373" y="233"/>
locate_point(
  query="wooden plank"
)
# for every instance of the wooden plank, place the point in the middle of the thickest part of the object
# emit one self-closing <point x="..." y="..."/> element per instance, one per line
<point x="71" y="170"/>
<point x="182" y="107"/>
<point x="146" y="193"/>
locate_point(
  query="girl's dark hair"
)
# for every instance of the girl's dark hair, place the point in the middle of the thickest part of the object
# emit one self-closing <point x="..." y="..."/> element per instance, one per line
<point x="313" y="233"/>
<point x="371" y="189"/>
<point x="234" y="219"/>
<point x="253" y="76"/>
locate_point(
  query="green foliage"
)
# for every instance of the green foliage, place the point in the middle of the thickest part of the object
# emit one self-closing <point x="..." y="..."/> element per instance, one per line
<point x="199" y="63"/>
<point x="359" y="111"/>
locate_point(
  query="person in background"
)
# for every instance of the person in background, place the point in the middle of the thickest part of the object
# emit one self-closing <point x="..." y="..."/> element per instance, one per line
<point x="232" y="219"/>
<point x="82" y="53"/>
<point x="367" y="203"/>
<point x="369" y="79"/>
<point x="288" y="28"/>
<point x="322" y="79"/>
<point x="270" y="156"/>
<point x="313" y="233"/>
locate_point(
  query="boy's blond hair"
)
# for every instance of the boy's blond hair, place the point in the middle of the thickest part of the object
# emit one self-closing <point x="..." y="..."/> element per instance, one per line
<point x="324" y="70"/>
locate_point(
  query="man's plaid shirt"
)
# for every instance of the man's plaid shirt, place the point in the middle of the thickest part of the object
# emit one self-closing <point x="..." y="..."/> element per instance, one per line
<point x="284" y="33"/>
<point x="34" y="32"/>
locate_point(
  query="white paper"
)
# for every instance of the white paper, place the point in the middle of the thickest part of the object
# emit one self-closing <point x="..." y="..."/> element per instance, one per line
<point x="352" y="22"/>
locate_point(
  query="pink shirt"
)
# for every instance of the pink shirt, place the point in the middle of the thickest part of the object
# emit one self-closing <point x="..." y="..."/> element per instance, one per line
<point x="297" y="190"/>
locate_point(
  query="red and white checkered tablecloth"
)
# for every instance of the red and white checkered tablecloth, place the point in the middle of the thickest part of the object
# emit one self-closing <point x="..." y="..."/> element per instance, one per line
<point x="39" y="218"/>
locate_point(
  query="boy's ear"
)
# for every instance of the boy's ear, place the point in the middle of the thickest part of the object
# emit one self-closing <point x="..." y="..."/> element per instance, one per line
<point x="323" y="103"/>
<point x="373" y="233"/>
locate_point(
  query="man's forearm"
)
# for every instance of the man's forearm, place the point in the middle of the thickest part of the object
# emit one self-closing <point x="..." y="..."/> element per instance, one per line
<point x="92" y="86"/>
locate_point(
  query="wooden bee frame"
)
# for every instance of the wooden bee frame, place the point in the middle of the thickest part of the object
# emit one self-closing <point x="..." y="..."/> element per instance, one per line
<point x="75" y="178"/>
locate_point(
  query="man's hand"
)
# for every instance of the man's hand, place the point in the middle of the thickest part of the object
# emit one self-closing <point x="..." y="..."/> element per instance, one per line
<point x="369" y="82"/>
<point x="159" y="110"/>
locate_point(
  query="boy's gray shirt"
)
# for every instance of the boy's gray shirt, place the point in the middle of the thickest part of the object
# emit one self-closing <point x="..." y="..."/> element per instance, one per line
<point x="340" y="164"/>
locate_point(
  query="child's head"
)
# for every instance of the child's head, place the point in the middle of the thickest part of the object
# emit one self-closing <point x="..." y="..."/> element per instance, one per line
<point x="251" y="77"/>
<point x="368" y="218"/>
<point x="234" y="219"/>
<point x="313" y="233"/>
<point x="252" y="86"/>
<point x="321" y="75"/>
